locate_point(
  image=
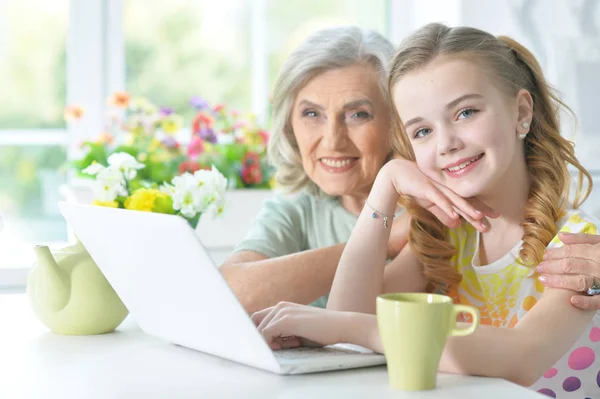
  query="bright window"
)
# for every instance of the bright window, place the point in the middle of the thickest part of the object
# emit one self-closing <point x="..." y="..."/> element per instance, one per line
<point x="179" y="49"/>
<point x="33" y="81"/>
<point x="291" y="21"/>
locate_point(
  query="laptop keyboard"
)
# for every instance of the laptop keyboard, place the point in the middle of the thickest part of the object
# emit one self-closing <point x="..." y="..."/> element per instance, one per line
<point x="302" y="352"/>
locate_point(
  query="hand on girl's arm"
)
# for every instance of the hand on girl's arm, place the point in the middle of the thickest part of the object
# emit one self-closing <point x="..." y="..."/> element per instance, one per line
<point x="574" y="267"/>
<point x="524" y="353"/>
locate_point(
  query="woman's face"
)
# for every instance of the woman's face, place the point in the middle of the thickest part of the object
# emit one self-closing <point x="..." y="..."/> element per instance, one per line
<point x="341" y="122"/>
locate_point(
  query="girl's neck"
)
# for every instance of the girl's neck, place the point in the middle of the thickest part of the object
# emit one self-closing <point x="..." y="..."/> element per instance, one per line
<point x="509" y="200"/>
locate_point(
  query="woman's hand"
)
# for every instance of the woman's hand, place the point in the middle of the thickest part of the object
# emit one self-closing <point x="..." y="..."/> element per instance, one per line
<point x="407" y="179"/>
<point x="574" y="267"/>
<point x="289" y="325"/>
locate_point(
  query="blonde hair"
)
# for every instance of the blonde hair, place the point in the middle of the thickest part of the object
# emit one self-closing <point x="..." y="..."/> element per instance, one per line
<point x="547" y="153"/>
<point x="324" y="50"/>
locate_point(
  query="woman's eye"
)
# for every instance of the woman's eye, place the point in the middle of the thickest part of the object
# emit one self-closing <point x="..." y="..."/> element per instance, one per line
<point x="422" y="133"/>
<point x="361" y="115"/>
<point x="467" y="113"/>
<point x="310" y="114"/>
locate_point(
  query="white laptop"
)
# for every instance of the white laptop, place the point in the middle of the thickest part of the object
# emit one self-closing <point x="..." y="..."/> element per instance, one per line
<point x="174" y="291"/>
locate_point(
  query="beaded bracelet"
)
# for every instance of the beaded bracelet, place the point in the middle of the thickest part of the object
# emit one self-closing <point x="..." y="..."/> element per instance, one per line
<point x="376" y="213"/>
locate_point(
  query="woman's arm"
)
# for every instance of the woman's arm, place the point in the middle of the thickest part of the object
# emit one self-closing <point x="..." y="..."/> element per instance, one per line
<point x="260" y="282"/>
<point x="301" y="277"/>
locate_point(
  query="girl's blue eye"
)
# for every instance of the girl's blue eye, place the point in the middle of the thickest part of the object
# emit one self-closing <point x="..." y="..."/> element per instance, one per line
<point x="422" y="133"/>
<point x="467" y="113"/>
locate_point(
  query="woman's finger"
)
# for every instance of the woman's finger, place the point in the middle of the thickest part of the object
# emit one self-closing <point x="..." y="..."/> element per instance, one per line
<point x="579" y="282"/>
<point x="584" y="251"/>
<point x="579" y="238"/>
<point x="569" y="265"/>
<point x="586" y="302"/>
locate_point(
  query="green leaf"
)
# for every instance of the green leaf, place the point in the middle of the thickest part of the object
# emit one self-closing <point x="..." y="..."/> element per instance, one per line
<point x="163" y="205"/>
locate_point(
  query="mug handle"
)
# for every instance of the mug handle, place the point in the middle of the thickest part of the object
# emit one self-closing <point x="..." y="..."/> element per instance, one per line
<point x="461" y="332"/>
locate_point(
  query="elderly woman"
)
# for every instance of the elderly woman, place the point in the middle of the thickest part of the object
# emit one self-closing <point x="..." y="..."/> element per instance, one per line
<point x="331" y="135"/>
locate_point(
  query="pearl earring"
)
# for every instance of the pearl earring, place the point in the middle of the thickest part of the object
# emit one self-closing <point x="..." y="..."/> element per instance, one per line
<point x="522" y="136"/>
<point x="525" y="124"/>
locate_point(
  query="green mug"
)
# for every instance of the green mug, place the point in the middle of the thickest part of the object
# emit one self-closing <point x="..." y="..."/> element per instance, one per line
<point x="414" y="329"/>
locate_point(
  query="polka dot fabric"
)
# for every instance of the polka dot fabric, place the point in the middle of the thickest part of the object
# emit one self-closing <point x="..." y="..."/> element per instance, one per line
<point x="504" y="291"/>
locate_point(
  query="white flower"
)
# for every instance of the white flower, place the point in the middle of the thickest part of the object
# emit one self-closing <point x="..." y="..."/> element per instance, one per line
<point x="197" y="193"/>
<point x="109" y="185"/>
<point x="225" y="138"/>
<point x="93" y="169"/>
<point x="126" y="163"/>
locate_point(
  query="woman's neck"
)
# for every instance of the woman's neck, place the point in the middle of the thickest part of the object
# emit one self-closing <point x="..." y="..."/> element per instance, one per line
<point x="353" y="203"/>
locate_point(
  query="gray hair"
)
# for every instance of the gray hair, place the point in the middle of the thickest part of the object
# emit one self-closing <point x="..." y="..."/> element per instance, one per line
<point x="324" y="50"/>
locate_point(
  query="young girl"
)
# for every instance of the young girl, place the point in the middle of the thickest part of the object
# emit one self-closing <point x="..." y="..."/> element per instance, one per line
<point x="477" y="119"/>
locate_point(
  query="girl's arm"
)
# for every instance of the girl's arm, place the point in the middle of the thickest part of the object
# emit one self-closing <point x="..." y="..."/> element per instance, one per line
<point x="360" y="275"/>
<point x="521" y="354"/>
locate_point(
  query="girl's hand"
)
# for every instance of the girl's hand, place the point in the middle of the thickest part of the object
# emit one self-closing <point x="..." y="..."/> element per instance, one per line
<point x="289" y="325"/>
<point x="574" y="267"/>
<point x="407" y="179"/>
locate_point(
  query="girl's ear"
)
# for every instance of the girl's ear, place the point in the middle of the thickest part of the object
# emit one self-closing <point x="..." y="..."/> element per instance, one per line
<point x="524" y="111"/>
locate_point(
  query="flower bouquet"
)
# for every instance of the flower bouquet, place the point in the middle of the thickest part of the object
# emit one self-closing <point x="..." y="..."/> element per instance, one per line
<point x="236" y="146"/>
<point x="139" y="128"/>
<point x="188" y="195"/>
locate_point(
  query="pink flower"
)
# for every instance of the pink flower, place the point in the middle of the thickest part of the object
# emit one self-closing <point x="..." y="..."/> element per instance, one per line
<point x="196" y="147"/>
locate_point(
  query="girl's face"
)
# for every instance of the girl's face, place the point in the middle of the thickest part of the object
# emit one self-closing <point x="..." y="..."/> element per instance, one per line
<point x="463" y="130"/>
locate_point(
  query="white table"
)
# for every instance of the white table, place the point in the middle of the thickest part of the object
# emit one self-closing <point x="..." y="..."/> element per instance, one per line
<point x="35" y="363"/>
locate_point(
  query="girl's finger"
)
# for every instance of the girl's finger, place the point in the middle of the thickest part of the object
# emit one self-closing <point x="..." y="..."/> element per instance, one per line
<point x="442" y="217"/>
<point x="433" y="195"/>
<point x="268" y="318"/>
<point x="480" y="225"/>
<point x="257" y="317"/>
<point x="483" y="208"/>
<point x="466" y="208"/>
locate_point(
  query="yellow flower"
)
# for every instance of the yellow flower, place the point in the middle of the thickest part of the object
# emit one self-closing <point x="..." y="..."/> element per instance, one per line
<point x="171" y="124"/>
<point x="143" y="199"/>
<point x="273" y="182"/>
<point x="109" y="204"/>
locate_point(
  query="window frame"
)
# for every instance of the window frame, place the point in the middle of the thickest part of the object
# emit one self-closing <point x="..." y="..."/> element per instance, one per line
<point x="96" y="68"/>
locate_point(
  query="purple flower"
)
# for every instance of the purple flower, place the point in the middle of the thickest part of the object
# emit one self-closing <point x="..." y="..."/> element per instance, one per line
<point x="170" y="142"/>
<point x="166" y="111"/>
<point x="208" y="135"/>
<point x="199" y="103"/>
